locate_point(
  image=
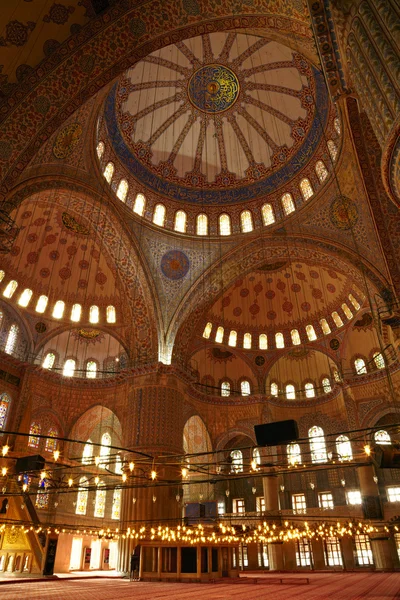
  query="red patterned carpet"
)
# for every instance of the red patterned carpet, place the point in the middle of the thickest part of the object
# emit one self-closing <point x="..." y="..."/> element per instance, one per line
<point x="335" y="586"/>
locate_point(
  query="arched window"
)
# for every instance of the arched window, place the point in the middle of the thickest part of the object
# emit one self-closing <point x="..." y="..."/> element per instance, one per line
<point x="379" y="360"/>
<point x="25" y="297"/>
<point x="288" y="204"/>
<point x="159" y="215"/>
<point x="1" y="318"/>
<point x="91" y="369"/>
<point x="69" y="367"/>
<point x="245" y="388"/>
<point x="105" y="450"/>
<point x="237" y="461"/>
<point x="343" y="448"/>
<point x="263" y="341"/>
<point x="118" y="465"/>
<point x="336" y="376"/>
<point x="354" y="302"/>
<point x="42" y="496"/>
<point x="87" y="453"/>
<point x="311" y="333"/>
<point x="336" y="124"/>
<point x="247" y="341"/>
<point x="246" y="221"/>
<point x="224" y="224"/>
<point x="100" y="501"/>
<point x="293" y="453"/>
<point x="58" y="309"/>
<point x="382" y="437"/>
<point x="219" y="336"/>
<point x="325" y="326"/>
<point x="122" y="190"/>
<point x="4" y="405"/>
<point x="295" y="337"/>
<point x="116" y="506"/>
<point x="100" y="150"/>
<point x="10" y="288"/>
<point x="359" y="365"/>
<point x="332" y="149"/>
<point x="290" y="392"/>
<point x="321" y="170"/>
<point x="225" y="388"/>
<point x="207" y="331"/>
<point x="267" y="213"/>
<point x="279" y="340"/>
<point x="326" y="384"/>
<point x="34" y="432"/>
<point x="2" y="274"/>
<point x="306" y="188"/>
<point x="49" y="360"/>
<point x="111" y="315"/>
<point x="41" y="304"/>
<point x="11" y="339"/>
<point x="317" y="444"/>
<point x="309" y="389"/>
<point x="202" y="224"/>
<point x="232" y="338"/>
<point x="337" y="319"/>
<point x="76" y="312"/>
<point x="257" y="456"/>
<point x="180" y="221"/>
<point x="274" y="389"/>
<point x="139" y="204"/>
<point x="94" y="314"/>
<point x="51" y="442"/>
<point x="82" y="498"/>
<point x="109" y="172"/>
<point x="347" y="311"/>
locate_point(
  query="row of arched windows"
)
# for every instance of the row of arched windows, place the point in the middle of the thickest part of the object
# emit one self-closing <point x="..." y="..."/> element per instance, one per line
<point x="35" y="431"/>
<point x="245" y="388"/>
<point x="361" y="368"/>
<point x="224" y="219"/>
<point x="59" y="306"/>
<point x="309" y="389"/>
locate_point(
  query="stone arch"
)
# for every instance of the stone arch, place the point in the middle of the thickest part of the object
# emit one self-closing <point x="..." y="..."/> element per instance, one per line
<point x="91" y="425"/>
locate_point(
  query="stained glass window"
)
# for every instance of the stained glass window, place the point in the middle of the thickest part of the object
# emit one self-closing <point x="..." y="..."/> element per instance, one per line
<point x="100" y="149"/>
<point x="317" y="444"/>
<point x="237" y="461"/>
<point x="109" y="172"/>
<point x="42" y="496"/>
<point x="69" y="368"/>
<point x="180" y="221"/>
<point x="274" y="389"/>
<point x="287" y="204"/>
<point x="379" y="360"/>
<point x="94" y="314"/>
<point x="257" y="456"/>
<point x="306" y="188"/>
<point x="336" y="124"/>
<point x="51" y="442"/>
<point x="159" y="215"/>
<point x="111" y="314"/>
<point x="34" y="432"/>
<point x="224" y="224"/>
<point x="326" y="384"/>
<point x="58" y="309"/>
<point x="247" y="341"/>
<point x="359" y="365"/>
<point x="219" y="336"/>
<point x="11" y="339"/>
<point x="309" y="389"/>
<point x="382" y="437"/>
<point x="116" y="506"/>
<point x="10" y="289"/>
<point x="87" y="453"/>
<point x="100" y="501"/>
<point x="354" y="302"/>
<point x="267" y="213"/>
<point x="245" y="388"/>
<point x="4" y="404"/>
<point x="343" y="448"/>
<point x="311" y="333"/>
<point x="321" y="170"/>
<point x="295" y="337"/>
<point x="290" y="392"/>
<point x="122" y="190"/>
<point x="336" y="376"/>
<point x="91" y="369"/>
<point x="82" y="498"/>
<point x="202" y="224"/>
<point x="347" y="311"/>
<point x="76" y="312"/>
<point x="2" y="273"/>
<point x="325" y="326"/>
<point x="225" y="388"/>
<point x="246" y="221"/>
<point x="25" y="297"/>
<point x="332" y="149"/>
<point x="279" y="340"/>
<point x="232" y="338"/>
<point x="294" y="454"/>
<point x="105" y="450"/>
<point x="207" y="330"/>
<point x="337" y="319"/>
<point x="263" y="341"/>
<point x="139" y="204"/>
<point x="41" y="304"/>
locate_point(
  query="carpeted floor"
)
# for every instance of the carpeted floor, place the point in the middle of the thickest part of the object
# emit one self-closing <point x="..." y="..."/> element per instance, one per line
<point x="335" y="586"/>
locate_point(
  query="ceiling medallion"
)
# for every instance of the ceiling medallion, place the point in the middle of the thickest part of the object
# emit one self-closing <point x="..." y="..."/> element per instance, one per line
<point x="213" y="88"/>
